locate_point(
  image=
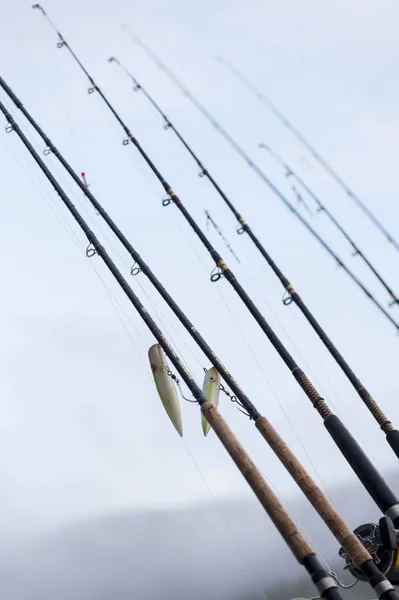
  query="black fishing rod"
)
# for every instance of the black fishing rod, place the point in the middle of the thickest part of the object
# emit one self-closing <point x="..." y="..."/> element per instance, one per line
<point x="359" y="387"/>
<point x="336" y="429"/>
<point x="323" y="208"/>
<point x="262" y="175"/>
<point x="301" y="138"/>
<point x="304" y="553"/>
<point x="353" y="550"/>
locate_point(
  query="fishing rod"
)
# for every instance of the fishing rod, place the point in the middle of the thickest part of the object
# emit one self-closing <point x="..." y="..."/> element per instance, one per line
<point x="323" y="208"/>
<point x="315" y="154"/>
<point x="359" y="387"/>
<point x="343" y="439"/>
<point x="260" y="174"/>
<point x="353" y="548"/>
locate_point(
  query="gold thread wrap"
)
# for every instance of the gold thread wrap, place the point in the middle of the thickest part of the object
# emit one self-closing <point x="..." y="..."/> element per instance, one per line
<point x="222" y="265"/>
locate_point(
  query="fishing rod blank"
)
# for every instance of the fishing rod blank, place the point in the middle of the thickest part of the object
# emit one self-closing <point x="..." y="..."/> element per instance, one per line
<point x="354" y="455"/>
<point x="385" y="424"/>
<point x="260" y="174"/>
<point x="323" y="208"/>
<point x="301" y="138"/>
<point x="303" y="552"/>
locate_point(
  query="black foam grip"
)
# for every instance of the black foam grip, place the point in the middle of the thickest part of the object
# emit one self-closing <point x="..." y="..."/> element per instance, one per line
<point x="361" y="464"/>
<point x="393" y="441"/>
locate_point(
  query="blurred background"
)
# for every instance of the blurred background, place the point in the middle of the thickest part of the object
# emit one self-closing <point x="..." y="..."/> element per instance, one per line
<point x="100" y="498"/>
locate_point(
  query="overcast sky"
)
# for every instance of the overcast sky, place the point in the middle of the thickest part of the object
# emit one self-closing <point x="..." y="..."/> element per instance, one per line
<point x="82" y="431"/>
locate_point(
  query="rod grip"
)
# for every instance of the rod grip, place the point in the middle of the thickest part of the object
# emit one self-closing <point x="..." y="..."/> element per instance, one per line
<point x="393" y="440"/>
<point x="361" y="464"/>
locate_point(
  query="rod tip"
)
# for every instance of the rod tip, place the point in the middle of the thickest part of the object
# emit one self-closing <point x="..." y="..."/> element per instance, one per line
<point x="39" y="7"/>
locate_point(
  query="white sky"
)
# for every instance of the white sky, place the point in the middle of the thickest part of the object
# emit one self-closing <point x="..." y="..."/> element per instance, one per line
<point x="82" y="431"/>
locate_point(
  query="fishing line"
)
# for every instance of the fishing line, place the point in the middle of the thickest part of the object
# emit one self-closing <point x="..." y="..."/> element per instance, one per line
<point x="209" y="219"/>
<point x="44" y="193"/>
<point x="277" y="320"/>
<point x="306" y="533"/>
<point x="222" y="516"/>
<point x="76" y="143"/>
<point x="304" y="335"/>
<point x="51" y="203"/>
<point x="281" y="326"/>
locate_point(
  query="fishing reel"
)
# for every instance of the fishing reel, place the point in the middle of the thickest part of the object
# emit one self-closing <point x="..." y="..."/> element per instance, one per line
<point x="382" y="543"/>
